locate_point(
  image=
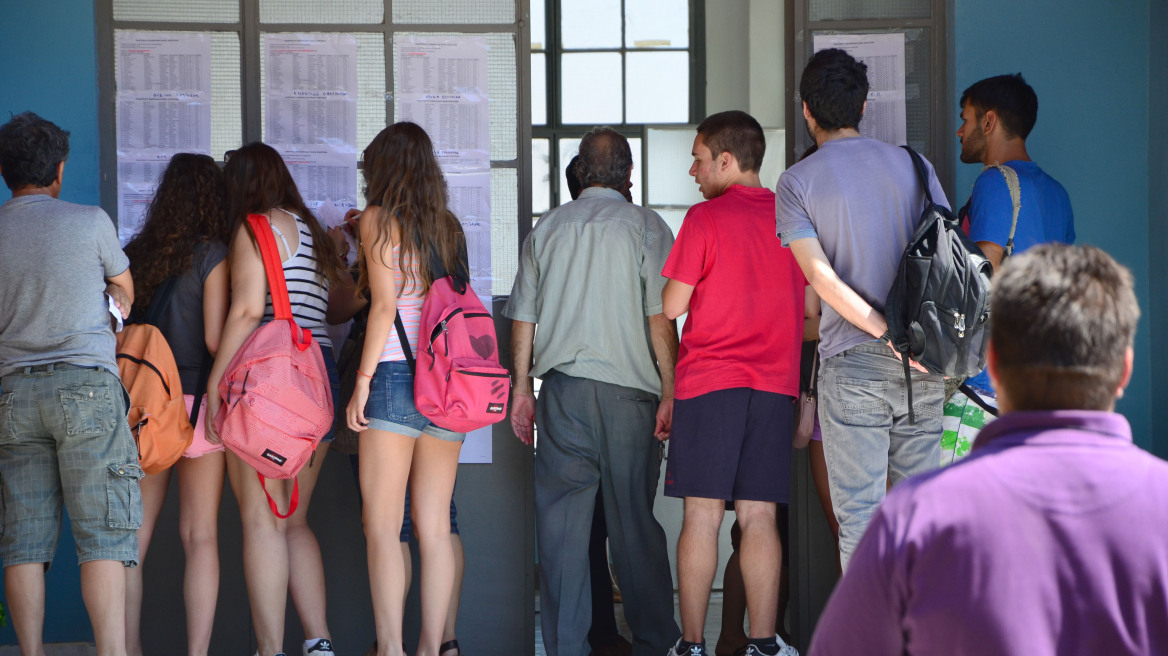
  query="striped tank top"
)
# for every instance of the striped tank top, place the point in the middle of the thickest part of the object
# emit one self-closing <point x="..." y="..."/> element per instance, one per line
<point x="307" y="290"/>
<point x="409" y="306"/>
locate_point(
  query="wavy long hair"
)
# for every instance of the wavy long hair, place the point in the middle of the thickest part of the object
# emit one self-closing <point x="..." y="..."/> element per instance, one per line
<point x="403" y="177"/>
<point x="189" y="208"/>
<point x="257" y="182"/>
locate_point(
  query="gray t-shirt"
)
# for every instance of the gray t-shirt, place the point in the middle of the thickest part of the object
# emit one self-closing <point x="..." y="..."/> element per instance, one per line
<point x="182" y="320"/>
<point x="54" y="259"/>
<point x="862" y="199"/>
<point x="589" y="275"/>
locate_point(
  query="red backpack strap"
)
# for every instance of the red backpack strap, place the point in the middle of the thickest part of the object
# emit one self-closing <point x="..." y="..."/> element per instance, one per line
<point x="277" y="286"/>
<point x="292" y="505"/>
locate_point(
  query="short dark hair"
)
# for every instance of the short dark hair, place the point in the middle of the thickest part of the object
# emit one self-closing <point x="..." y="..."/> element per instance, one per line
<point x="573" y="179"/>
<point x="737" y="133"/>
<point x="835" y="86"/>
<point x="30" y="150"/>
<point x="1062" y="320"/>
<point x="605" y="158"/>
<point x="1010" y="98"/>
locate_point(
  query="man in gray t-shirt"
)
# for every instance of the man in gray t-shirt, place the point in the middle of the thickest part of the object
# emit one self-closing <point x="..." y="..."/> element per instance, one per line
<point x="590" y="277"/>
<point x="64" y="439"/>
<point x="847" y="212"/>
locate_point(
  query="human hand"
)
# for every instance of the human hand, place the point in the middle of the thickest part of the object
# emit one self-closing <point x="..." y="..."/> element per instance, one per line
<point x="664" y="420"/>
<point x="523" y="417"/>
<point x="912" y="363"/>
<point x="209" y="419"/>
<point x="355" y="412"/>
<point x="121" y="299"/>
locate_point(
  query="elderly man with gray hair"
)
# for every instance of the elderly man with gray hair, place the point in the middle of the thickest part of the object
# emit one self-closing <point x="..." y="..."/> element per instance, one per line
<point x="590" y="277"/>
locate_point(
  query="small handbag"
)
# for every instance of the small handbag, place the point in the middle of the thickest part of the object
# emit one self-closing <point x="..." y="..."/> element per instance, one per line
<point x="805" y="408"/>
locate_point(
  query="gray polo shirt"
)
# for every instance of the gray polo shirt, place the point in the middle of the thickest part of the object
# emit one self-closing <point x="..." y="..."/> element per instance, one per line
<point x="589" y="276"/>
<point x="54" y="259"/>
<point x="861" y="198"/>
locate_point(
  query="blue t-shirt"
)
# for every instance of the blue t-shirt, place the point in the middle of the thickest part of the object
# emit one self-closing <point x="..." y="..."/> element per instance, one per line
<point x="1044" y="216"/>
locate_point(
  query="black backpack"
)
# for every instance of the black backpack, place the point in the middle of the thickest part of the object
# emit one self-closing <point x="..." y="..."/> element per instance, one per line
<point x="939" y="306"/>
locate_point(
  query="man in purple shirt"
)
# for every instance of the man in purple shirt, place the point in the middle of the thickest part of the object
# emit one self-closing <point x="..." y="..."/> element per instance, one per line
<point x="1049" y="538"/>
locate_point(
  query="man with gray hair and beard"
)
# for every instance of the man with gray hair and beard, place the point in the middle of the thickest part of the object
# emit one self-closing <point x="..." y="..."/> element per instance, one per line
<point x="590" y="277"/>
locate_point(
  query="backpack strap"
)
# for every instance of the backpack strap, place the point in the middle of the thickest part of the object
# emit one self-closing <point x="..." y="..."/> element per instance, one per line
<point x="1015" y="188"/>
<point x="976" y="398"/>
<point x="405" y="342"/>
<point x="902" y="341"/>
<point x="922" y="172"/>
<point x="293" y="504"/>
<point x="277" y="286"/>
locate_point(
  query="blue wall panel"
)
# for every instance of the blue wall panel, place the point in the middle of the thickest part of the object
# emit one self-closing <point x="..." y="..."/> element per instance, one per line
<point x="1088" y="62"/>
<point x="48" y="52"/>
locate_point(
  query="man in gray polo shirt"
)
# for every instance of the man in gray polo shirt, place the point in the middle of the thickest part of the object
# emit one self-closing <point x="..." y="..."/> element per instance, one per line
<point x="848" y="212"/>
<point x="64" y="439"/>
<point x="590" y="277"/>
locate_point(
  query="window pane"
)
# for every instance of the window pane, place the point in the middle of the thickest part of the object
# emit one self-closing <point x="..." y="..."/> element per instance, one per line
<point x="657" y="24"/>
<point x="823" y="10"/>
<point x="672" y="217"/>
<point x="541" y="189"/>
<point x="454" y="12"/>
<point x="591" y="88"/>
<point x="658" y="87"/>
<point x="590" y="24"/>
<point x="538" y="25"/>
<point x="669" y="162"/>
<point x="569" y="148"/>
<point x="538" y="88"/>
<point x="370" y="89"/>
<point x="504" y="229"/>
<point x="314" y="11"/>
<point x="189" y="11"/>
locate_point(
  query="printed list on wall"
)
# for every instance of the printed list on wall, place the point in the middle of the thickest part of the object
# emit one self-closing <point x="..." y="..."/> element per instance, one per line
<point x="163" y="108"/>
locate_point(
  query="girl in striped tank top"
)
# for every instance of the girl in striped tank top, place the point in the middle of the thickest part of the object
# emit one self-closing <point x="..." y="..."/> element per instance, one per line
<point x="276" y="550"/>
<point x="406" y="228"/>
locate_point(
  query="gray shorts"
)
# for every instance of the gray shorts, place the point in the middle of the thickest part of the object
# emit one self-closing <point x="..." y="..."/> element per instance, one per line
<point x="64" y="439"/>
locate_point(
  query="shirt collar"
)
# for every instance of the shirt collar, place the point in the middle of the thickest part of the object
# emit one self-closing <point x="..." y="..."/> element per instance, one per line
<point x="600" y="192"/>
<point x="1015" y="428"/>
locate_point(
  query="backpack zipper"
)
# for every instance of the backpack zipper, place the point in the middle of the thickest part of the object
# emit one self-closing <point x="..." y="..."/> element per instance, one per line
<point x="140" y="361"/>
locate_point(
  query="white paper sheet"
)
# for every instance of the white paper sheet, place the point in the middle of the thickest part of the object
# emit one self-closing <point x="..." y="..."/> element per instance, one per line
<point x="311" y="112"/>
<point x="885" y="117"/>
<point x="163" y="108"/>
<point x="470" y="200"/>
<point x="441" y="84"/>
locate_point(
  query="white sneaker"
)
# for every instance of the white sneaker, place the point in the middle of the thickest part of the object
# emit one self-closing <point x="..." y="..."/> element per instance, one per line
<point x="784" y="649"/>
<point x="323" y="647"/>
<point x="694" y="650"/>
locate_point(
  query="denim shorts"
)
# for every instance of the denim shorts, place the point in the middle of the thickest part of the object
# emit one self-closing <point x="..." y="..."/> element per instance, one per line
<point x="64" y="440"/>
<point x="335" y="386"/>
<point x="391" y="404"/>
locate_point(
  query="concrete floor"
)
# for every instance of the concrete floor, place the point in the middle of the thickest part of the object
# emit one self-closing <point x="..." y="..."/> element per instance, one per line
<point x="713" y="622"/>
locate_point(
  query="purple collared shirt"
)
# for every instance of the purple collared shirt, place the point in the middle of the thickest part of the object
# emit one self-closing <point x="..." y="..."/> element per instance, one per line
<point x="1051" y="538"/>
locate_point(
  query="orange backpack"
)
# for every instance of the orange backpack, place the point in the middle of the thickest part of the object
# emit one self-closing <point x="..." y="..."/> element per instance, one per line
<point x="158" y="414"/>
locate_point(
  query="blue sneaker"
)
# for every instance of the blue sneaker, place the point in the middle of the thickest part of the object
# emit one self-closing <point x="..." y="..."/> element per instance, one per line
<point x="687" y="649"/>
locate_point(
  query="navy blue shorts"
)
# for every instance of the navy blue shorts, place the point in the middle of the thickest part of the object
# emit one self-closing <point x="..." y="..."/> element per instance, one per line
<point x="733" y="445"/>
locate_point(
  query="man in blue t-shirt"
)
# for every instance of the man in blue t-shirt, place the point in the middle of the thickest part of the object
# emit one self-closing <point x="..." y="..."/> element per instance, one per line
<point x="997" y="115"/>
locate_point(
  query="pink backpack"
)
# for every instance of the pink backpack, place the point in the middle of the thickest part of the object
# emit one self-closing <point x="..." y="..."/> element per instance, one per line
<point x="277" y="403"/>
<point x="459" y="384"/>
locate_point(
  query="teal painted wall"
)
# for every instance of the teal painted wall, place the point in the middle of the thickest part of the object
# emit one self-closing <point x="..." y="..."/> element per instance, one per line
<point x="48" y="52"/>
<point x="1089" y="63"/>
<point x="1157" y="220"/>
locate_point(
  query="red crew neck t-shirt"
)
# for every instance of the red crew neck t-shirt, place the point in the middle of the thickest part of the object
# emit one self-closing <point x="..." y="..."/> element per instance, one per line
<point x="745" y="323"/>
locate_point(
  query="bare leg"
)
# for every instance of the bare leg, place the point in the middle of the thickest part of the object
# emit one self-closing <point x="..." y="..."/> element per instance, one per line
<point x="697" y="562"/>
<point x="153" y="495"/>
<point x="822" y="489"/>
<point x="733" y="634"/>
<point x="307" y="584"/>
<point x="448" y="630"/>
<point x="432" y="475"/>
<point x="103" y="588"/>
<point x="200" y="490"/>
<point x="760" y="558"/>
<point x="265" y="552"/>
<point x="24" y="589"/>
<point x="385" y="466"/>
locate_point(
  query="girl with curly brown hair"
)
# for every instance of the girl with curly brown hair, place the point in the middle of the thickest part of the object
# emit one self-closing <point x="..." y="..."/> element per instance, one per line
<point x="406" y="227"/>
<point x="185" y="239"/>
<point x="280" y="556"/>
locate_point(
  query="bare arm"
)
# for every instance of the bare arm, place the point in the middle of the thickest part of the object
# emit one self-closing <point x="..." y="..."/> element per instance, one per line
<point x="216" y="300"/>
<point x="663" y="334"/>
<point x="834" y="291"/>
<point x="675" y="298"/>
<point x="249" y="295"/>
<point x="812" y="311"/>
<point x="523" y="394"/>
<point x="121" y="288"/>
<point x="382" y="310"/>
<point x="993" y="252"/>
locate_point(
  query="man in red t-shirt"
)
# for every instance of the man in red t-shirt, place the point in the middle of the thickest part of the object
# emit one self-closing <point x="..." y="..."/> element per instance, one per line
<point x="737" y="376"/>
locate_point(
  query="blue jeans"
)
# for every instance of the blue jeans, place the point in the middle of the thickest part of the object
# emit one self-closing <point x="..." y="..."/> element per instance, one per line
<point x="64" y="439"/>
<point x="868" y="441"/>
<point x="391" y="406"/>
